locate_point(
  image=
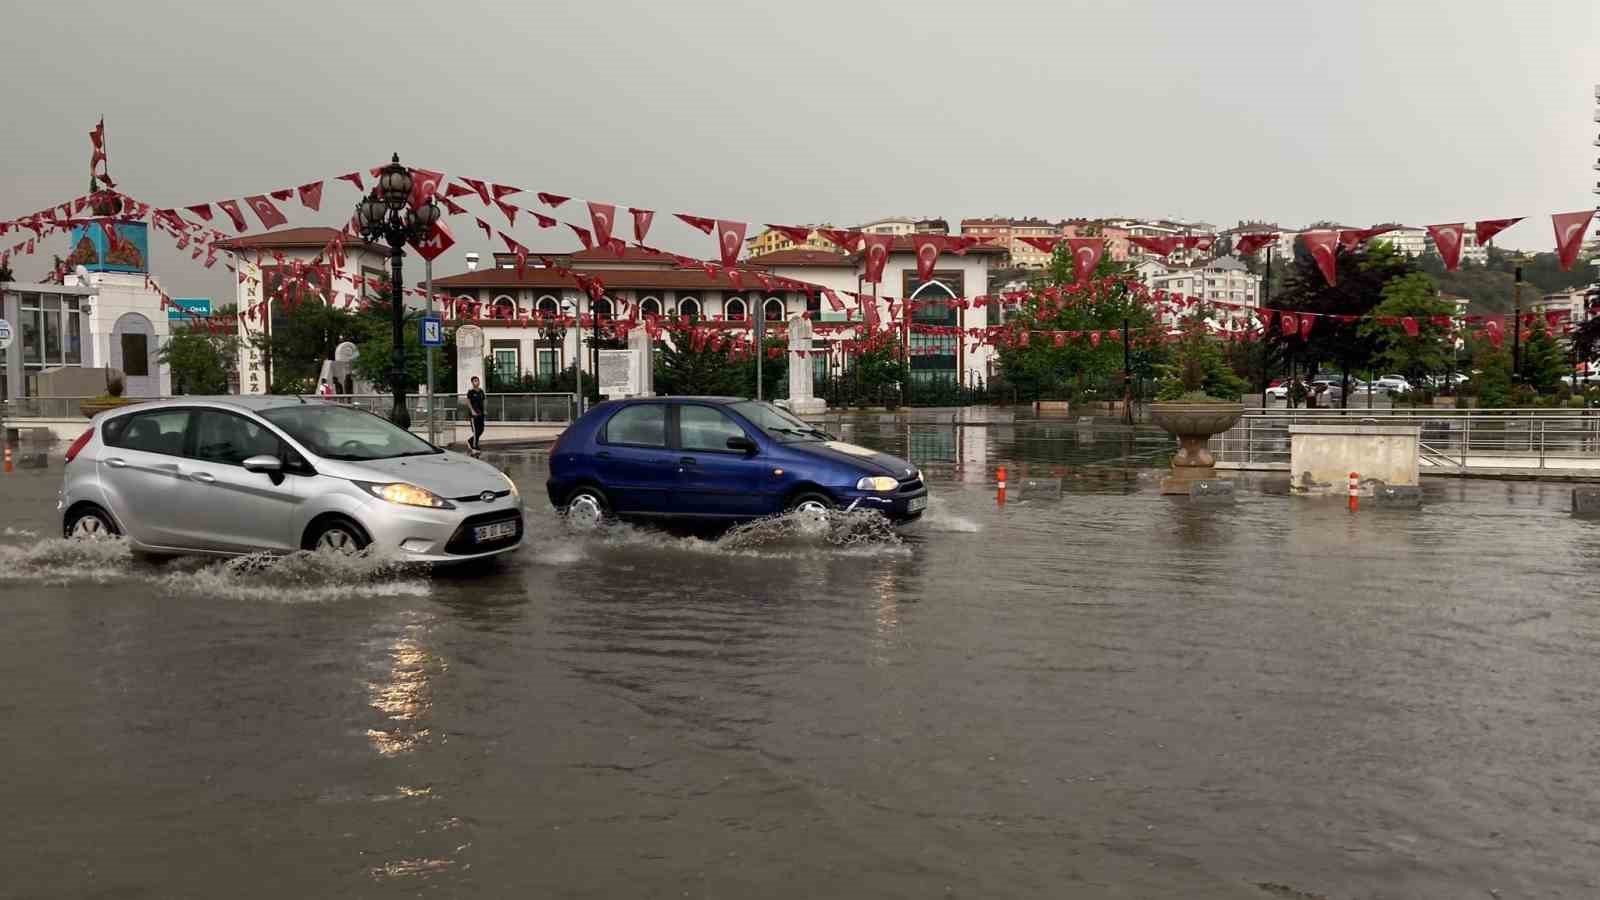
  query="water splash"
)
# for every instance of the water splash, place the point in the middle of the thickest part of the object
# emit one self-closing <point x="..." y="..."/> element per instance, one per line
<point x="299" y="577"/>
<point x="832" y="533"/>
<point x="57" y="560"/>
<point x="940" y="518"/>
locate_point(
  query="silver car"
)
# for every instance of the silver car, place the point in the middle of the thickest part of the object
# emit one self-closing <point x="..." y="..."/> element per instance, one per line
<point x="234" y="475"/>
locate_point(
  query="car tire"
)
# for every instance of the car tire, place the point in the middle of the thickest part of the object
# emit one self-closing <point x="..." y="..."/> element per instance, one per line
<point x="586" y="508"/>
<point x="87" y="522"/>
<point x="813" y="501"/>
<point x="336" y="534"/>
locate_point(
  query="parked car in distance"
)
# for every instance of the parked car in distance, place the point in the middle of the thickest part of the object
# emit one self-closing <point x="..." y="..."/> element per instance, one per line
<point x="1327" y="392"/>
<point x="235" y="475"/>
<point x="718" y="458"/>
<point x="1394" y="384"/>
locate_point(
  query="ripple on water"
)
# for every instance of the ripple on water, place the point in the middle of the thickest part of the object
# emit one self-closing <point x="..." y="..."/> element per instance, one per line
<point x="791" y="535"/>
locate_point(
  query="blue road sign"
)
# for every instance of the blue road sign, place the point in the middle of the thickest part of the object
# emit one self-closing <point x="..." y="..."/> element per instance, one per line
<point x="432" y="331"/>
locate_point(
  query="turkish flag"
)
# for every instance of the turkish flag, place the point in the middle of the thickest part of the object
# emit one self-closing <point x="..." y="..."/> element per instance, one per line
<point x="928" y="247"/>
<point x="1495" y="328"/>
<point x="603" y="216"/>
<point x="311" y="195"/>
<point x="730" y="240"/>
<point x="1086" y="253"/>
<point x="1323" y="247"/>
<point x="799" y="234"/>
<point x="876" y="249"/>
<point x="453" y="190"/>
<point x="424" y="184"/>
<point x="1248" y="244"/>
<point x="1161" y="246"/>
<point x="1447" y="239"/>
<point x="355" y="179"/>
<point x="641" y="222"/>
<point x="1486" y="229"/>
<point x="1306" y="321"/>
<point x="583" y="236"/>
<point x="833" y="300"/>
<point x="1094" y="338"/>
<point x="509" y="211"/>
<point x="488" y="232"/>
<point x="518" y="249"/>
<point x="284" y="195"/>
<point x="454" y="208"/>
<point x="1288" y="324"/>
<point x="1042" y="244"/>
<point x="848" y="241"/>
<point x="1569" y="235"/>
<point x="268" y="214"/>
<point x="1409" y="323"/>
<point x="203" y="210"/>
<point x="1351" y="238"/>
<point x="705" y="225"/>
<point x="551" y="200"/>
<point x="438" y="240"/>
<point x="501" y="191"/>
<point x="478" y="187"/>
<point x="1199" y="241"/>
<point x="231" y="207"/>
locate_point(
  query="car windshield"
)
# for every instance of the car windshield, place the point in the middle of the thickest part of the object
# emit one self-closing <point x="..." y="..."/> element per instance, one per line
<point x="776" y="422"/>
<point x="340" y="432"/>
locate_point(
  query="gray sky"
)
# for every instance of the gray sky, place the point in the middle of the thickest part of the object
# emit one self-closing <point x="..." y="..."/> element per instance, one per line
<point x="1419" y="111"/>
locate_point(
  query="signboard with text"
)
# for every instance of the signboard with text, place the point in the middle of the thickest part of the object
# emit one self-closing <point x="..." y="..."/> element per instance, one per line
<point x="618" y="374"/>
<point x="185" y="309"/>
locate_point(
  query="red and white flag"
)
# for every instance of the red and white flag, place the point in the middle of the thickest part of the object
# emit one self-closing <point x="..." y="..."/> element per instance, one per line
<point x="876" y="255"/>
<point x="438" y="240"/>
<point x="928" y="248"/>
<point x="641" y="222"/>
<point x="798" y="234"/>
<point x="1250" y="244"/>
<point x="730" y="240"/>
<point x="1570" y="228"/>
<point x="583" y="236"/>
<point x="231" y="207"/>
<point x="848" y="241"/>
<point x="311" y="195"/>
<point x="1042" y="244"/>
<point x="355" y="179"/>
<point x="268" y="214"/>
<point x="1086" y="253"/>
<point x="424" y="184"/>
<point x="203" y="210"/>
<point x="1324" y="247"/>
<point x="1486" y="229"/>
<point x="1447" y="240"/>
<point x="602" y="216"/>
<point x="705" y="225"/>
<point x="551" y="200"/>
<point x="478" y="187"/>
<point x="1289" y="324"/>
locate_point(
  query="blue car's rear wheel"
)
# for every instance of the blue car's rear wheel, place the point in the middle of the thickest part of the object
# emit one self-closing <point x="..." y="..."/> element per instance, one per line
<point x="586" y="508"/>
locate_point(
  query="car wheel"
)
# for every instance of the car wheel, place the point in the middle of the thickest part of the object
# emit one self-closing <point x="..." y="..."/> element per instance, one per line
<point x="337" y="536"/>
<point x="811" y="502"/>
<point x="586" y="508"/>
<point x="89" y="523"/>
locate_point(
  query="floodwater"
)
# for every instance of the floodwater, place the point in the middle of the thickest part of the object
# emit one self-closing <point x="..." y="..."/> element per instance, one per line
<point x="1109" y="694"/>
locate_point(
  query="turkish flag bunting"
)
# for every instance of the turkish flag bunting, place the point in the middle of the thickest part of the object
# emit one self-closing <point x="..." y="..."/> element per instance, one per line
<point x="848" y="241"/>
<point x="1409" y="323"/>
<point x="1198" y="241"/>
<point x="928" y="247"/>
<point x="518" y="249"/>
<point x="734" y="279"/>
<point x="1486" y="229"/>
<point x="1351" y="238"/>
<point x="796" y="233"/>
<point x="1161" y="246"/>
<point x="551" y="200"/>
<point x="1439" y="321"/>
<point x="231" y="207"/>
<point x="488" y="232"/>
<point x="453" y="190"/>
<point x="1570" y="228"/>
<point x="1042" y="244"/>
<point x="1248" y="244"/>
<point x="502" y="191"/>
<point x="1086" y="253"/>
<point x="453" y="207"/>
<point x="641" y="222"/>
<point x="509" y="211"/>
<point x="1094" y="338"/>
<point x="355" y="179"/>
<point x="1289" y="325"/>
<point x="730" y="240"/>
<point x="583" y="236"/>
<point x="268" y="214"/>
<point x="1061" y="338"/>
<point x="705" y="225"/>
<point x="478" y="187"/>
<point x="833" y="300"/>
<point x="284" y="195"/>
<point x="544" y="220"/>
<point x="1447" y="239"/>
<point x="1323" y="247"/>
<point x="602" y="216"/>
<point x="876" y="247"/>
<point x="1495" y="328"/>
<point x="203" y="210"/>
<point x="424" y="184"/>
<point x="311" y="195"/>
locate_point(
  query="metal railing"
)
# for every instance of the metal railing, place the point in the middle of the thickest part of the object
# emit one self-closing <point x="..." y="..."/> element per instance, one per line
<point x="554" y="409"/>
<point x="1451" y="440"/>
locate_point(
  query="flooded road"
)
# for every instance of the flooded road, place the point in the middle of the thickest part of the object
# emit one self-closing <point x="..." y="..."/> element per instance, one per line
<point x="1109" y="694"/>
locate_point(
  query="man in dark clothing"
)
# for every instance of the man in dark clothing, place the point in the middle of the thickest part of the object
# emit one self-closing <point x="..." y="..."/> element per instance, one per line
<point x="475" y="407"/>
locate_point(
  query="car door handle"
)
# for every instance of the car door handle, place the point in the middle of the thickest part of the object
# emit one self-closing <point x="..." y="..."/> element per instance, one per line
<point x="117" y="462"/>
<point x="604" y="454"/>
<point x="688" y="461"/>
<point x="203" y="477"/>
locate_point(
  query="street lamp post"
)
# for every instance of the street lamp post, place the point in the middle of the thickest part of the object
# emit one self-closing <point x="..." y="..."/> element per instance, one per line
<point x="387" y="216"/>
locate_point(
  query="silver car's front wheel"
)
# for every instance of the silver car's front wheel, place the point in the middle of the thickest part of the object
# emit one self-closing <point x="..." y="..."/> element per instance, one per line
<point x="338" y="537"/>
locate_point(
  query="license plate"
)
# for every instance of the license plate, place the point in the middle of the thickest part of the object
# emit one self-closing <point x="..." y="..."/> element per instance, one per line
<point x="494" y="532"/>
<point x="916" y="504"/>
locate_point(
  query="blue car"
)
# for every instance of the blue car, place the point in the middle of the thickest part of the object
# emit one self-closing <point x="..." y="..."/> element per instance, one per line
<point x="718" y="458"/>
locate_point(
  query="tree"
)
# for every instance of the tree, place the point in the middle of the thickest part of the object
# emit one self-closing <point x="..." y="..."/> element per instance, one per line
<point x="1544" y="362"/>
<point x="1198" y="370"/>
<point x="718" y="369"/>
<point x="1413" y="296"/>
<point x="199" y="360"/>
<point x="303" y="336"/>
<point x="1492" y="380"/>
<point x="373" y="331"/>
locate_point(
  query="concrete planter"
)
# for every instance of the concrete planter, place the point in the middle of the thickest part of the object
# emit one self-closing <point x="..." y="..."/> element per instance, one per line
<point x="1193" y="424"/>
<point x="92" y="408"/>
<point x="1051" y="407"/>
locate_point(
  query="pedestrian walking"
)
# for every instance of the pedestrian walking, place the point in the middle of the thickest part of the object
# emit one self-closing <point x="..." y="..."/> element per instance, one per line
<point x="475" y="408"/>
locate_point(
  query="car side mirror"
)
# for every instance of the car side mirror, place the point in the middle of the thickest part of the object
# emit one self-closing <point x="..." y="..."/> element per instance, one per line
<point x="264" y="464"/>
<point x="741" y="443"/>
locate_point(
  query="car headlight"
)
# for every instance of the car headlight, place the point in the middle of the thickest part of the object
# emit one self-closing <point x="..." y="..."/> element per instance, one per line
<point x="877" y="483"/>
<point x="407" y="495"/>
<point x="512" y="485"/>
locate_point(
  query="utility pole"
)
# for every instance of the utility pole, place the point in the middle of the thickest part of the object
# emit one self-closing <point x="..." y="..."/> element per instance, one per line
<point x="427" y="278"/>
<point x="1516" y="329"/>
<point x="1127" y="376"/>
<point x="761" y="346"/>
<point x="1266" y="347"/>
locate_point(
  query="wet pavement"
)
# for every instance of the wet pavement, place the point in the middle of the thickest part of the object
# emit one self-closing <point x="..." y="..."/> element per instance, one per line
<point x="1109" y="694"/>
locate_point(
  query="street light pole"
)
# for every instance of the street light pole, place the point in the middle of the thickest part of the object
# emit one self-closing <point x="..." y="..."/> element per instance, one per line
<point x="387" y="215"/>
<point x="427" y="281"/>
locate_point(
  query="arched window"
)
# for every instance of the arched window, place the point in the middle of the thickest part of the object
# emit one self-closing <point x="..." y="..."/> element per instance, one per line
<point x="548" y="307"/>
<point x="649" y="306"/>
<point x="689" y="306"/>
<point x="772" y="310"/>
<point x="463" y="306"/>
<point x="733" y="309"/>
<point x="505" y="308"/>
<point x="602" y="308"/>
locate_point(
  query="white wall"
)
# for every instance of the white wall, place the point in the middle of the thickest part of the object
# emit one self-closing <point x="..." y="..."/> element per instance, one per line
<point x="118" y="294"/>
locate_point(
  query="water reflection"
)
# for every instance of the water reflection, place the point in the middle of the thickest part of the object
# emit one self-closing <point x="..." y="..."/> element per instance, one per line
<point x="405" y="695"/>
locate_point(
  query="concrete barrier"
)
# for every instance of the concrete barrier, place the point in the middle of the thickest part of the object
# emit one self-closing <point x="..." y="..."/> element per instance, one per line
<point x="1586" y="502"/>
<point x="1397" y="496"/>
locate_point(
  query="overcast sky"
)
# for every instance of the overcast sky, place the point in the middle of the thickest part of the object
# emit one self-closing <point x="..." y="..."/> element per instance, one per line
<point x="1418" y="111"/>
